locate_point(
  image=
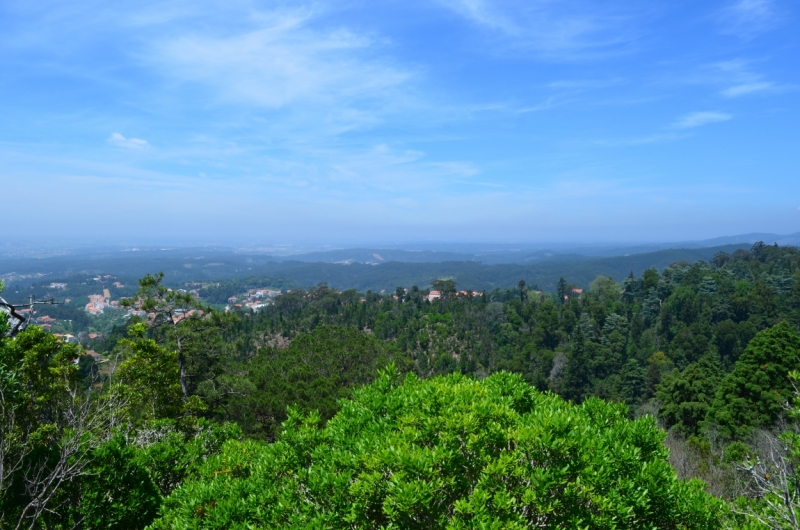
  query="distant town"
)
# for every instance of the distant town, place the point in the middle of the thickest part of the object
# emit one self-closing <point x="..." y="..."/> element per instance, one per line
<point x="254" y="299"/>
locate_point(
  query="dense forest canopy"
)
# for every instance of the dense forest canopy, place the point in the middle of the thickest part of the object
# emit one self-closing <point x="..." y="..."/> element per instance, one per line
<point x="615" y="340"/>
<point x="192" y="409"/>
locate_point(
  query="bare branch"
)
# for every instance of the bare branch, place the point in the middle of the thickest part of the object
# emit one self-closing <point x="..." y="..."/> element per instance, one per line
<point x="770" y="476"/>
<point x="85" y="424"/>
<point x="21" y="322"/>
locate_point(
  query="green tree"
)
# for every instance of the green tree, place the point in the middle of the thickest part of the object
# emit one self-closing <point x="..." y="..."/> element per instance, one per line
<point x="578" y="375"/>
<point x="754" y="394"/>
<point x="49" y="426"/>
<point x="770" y="470"/>
<point x="186" y="326"/>
<point x="117" y="492"/>
<point x="449" y="452"/>
<point x="632" y="382"/>
<point x="606" y="291"/>
<point x="650" y="279"/>
<point x="561" y="289"/>
<point x="148" y="378"/>
<point x="522" y="287"/>
<point x="313" y="373"/>
<point x="129" y="474"/>
<point x="444" y="286"/>
<point x="686" y="397"/>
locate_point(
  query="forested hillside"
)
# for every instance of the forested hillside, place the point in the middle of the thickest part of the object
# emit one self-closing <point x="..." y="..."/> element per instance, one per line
<point x="203" y="265"/>
<point x="580" y="270"/>
<point x="615" y="340"/>
<point x="204" y="419"/>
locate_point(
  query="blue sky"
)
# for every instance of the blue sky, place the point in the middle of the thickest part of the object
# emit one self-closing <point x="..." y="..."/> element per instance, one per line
<point x="349" y="121"/>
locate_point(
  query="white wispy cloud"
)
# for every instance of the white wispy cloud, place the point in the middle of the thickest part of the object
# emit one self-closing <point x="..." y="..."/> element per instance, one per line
<point x="655" y="138"/>
<point x="385" y="168"/>
<point x="675" y="131"/>
<point x="568" y="30"/>
<point x="747" y="18"/>
<point x="584" y="84"/>
<point x="281" y="59"/>
<point x="744" y="89"/>
<point x="118" y="140"/>
<point x="698" y="119"/>
<point x="738" y="79"/>
<point x="483" y="13"/>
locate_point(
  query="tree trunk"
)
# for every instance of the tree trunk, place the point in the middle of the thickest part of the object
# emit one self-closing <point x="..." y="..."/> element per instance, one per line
<point x="182" y="369"/>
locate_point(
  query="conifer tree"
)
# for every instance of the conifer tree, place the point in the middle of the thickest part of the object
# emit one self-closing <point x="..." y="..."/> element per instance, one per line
<point x="755" y="393"/>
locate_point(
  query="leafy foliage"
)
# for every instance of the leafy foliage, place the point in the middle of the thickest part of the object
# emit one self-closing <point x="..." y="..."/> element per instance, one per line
<point x="755" y="393"/>
<point x="74" y="456"/>
<point x="616" y="341"/>
<point x="686" y="397"/>
<point x="148" y="377"/>
<point x="313" y="373"/>
<point x="450" y="452"/>
<point x="48" y="426"/>
<point x="769" y="471"/>
<point x="117" y="492"/>
<point x="461" y="443"/>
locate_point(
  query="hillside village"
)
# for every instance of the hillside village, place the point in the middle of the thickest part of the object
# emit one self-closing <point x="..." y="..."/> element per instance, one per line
<point x="253" y="299"/>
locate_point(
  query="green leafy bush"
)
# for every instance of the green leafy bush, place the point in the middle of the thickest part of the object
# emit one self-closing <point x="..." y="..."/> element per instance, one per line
<point x="176" y="450"/>
<point x="449" y="452"/>
<point x="117" y="491"/>
<point x="123" y="486"/>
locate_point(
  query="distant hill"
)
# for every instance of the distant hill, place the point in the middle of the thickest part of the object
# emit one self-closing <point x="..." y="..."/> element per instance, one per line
<point x="363" y="269"/>
<point x="480" y="276"/>
<point x="380" y="255"/>
<point x="743" y="239"/>
<point x="525" y="254"/>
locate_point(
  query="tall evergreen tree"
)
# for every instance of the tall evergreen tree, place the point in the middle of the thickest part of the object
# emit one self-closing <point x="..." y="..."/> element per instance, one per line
<point x="756" y="392"/>
<point x="686" y="397"/>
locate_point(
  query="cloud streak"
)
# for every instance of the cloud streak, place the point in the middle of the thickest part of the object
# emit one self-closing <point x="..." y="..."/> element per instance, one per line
<point x="281" y="60"/>
<point x="748" y="18"/>
<point x="571" y="30"/>
<point x="698" y="119"/>
<point x="745" y="89"/>
<point x="678" y="130"/>
<point x="739" y="79"/>
<point x="117" y="140"/>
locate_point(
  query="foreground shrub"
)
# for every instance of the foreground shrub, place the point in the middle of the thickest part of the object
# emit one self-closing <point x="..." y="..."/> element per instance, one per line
<point x="127" y="477"/>
<point x="449" y="452"/>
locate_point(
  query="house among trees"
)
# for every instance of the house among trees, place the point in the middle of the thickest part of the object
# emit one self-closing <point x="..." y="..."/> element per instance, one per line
<point x="97" y="303"/>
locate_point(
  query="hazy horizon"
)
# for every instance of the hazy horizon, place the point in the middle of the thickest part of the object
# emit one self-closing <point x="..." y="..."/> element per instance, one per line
<point x="55" y="246"/>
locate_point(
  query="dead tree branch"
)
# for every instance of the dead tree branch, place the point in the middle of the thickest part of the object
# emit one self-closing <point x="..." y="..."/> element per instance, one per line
<point x="771" y="477"/>
<point x="85" y="423"/>
<point x="20" y="321"/>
